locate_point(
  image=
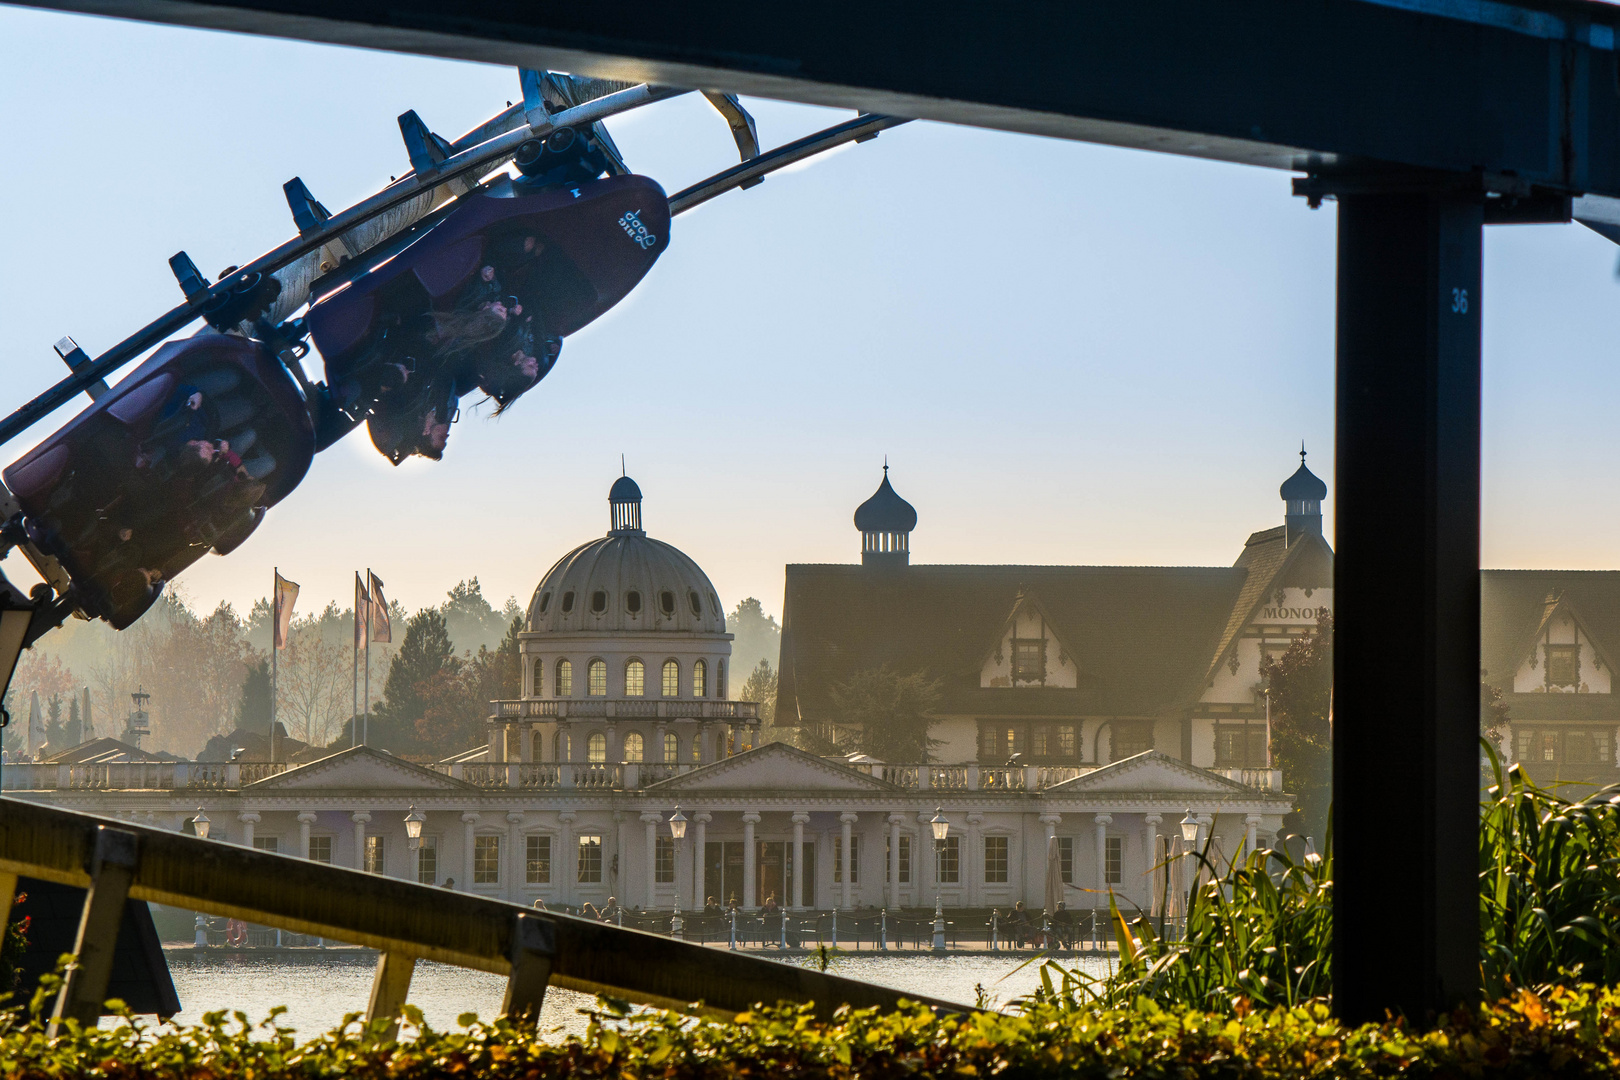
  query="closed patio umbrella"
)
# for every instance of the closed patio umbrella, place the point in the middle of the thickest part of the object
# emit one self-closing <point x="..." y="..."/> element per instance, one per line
<point x="1054" y="877"/>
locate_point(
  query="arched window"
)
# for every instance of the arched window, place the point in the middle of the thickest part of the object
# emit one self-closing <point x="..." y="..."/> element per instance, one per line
<point x="545" y="601"/>
<point x="632" y="747"/>
<point x="632" y="602"/>
<point x="666" y="600"/>
<point x="719" y="678"/>
<point x="536" y="688"/>
<point x="697" y="605"/>
<point x="598" y="601"/>
<point x="672" y="678"/>
<point x="700" y="679"/>
<point x="568" y="601"/>
<point x="565" y="679"/>
<point x="596" y="749"/>
<point x="635" y="679"/>
<point x="697" y="748"/>
<point x="539" y="747"/>
<point x="672" y="748"/>
<point x="596" y="678"/>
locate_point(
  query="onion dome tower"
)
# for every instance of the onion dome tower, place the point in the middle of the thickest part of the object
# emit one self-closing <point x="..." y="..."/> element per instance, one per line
<point x="1302" y="496"/>
<point x="885" y="521"/>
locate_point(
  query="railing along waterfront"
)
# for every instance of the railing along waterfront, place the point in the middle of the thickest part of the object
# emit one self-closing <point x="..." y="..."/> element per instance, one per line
<point x="405" y="921"/>
<point x="624" y="708"/>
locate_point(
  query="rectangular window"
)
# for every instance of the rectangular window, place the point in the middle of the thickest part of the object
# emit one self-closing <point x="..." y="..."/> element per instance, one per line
<point x="854" y="860"/>
<point x="272" y="844"/>
<point x="950" y="860"/>
<point x="320" y="849"/>
<point x="1064" y="741"/>
<point x="565" y="678"/>
<point x="1240" y="746"/>
<point x="1563" y="665"/>
<point x="376" y="855"/>
<point x="1066" y="859"/>
<point x="1038" y="739"/>
<point x="1586" y="747"/>
<point x="995" y="860"/>
<point x="427" y="861"/>
<point x="596" y="679"/>
<point x="905" y="861"/>
<point x="1130" y="738"/>
<point x="1526" y="739"/>
<point x="539" y="678"/>
<point x="635" y="679"/>
<point x="664" y="861"/>
<point x="1113" y="858"/>
<point x="486" y="860"/>
<point x="672" y="679"/>
<point x="1029" y="661"/>
<point x="999" y="741"/>
<point x="538" y="860"/>
<point x="590" y="860"/>
<point x="672" y="748"/>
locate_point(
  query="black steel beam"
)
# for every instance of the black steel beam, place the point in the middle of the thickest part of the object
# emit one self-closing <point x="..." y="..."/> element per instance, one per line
<point x="1527" y="91"/>
<point x="1406" y="715"/>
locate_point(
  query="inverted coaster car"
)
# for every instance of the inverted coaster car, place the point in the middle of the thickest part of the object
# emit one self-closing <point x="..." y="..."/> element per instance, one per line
<point x="480" y="298"/>
<point x="182" y="457"/>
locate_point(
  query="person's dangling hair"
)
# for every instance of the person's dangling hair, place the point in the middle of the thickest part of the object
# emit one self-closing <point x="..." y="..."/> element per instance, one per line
<point x="455" y="332"/>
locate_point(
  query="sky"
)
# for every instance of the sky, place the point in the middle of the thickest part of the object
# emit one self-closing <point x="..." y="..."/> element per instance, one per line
<point x="1068" y="353"/>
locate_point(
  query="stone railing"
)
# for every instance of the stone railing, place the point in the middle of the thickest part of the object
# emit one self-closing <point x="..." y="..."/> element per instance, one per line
<point x="1260" y="779"/>
<point x="624" y="709"/>
<point x="563" y="776"/>
<point x="138" y="775"/>
<point x="998" y="778"/>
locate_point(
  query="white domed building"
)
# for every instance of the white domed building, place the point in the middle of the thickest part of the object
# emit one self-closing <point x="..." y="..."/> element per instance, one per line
<point x="625" y="657"/>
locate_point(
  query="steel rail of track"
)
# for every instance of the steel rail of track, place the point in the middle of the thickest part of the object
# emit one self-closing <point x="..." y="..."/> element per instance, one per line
<point x="408" y="186"/>
<point x="863" y="127"/>
<point x="405" y="920"/>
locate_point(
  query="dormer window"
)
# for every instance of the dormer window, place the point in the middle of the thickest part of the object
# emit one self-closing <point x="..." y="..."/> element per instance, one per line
<point x="598" y="602"/>
<point x="666" y="600"/>
<point x="1029" y="661"/>
<point x="1563" y="665"/>
<point x="697" y="605"/>
<point x="545" y="602"/>
<point x="632" y="602"/>
<point x="568" y="602"/>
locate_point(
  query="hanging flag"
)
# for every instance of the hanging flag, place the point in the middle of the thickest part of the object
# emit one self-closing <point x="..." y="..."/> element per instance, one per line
<point x="381" y="628"/>
<point x="362" y="611"/>
<point x="286" y="597"/>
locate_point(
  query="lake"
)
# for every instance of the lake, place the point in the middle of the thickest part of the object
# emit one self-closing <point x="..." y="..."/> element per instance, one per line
<point x="319" y="991"/>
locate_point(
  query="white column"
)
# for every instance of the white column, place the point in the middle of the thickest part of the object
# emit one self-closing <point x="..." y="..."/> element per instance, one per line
<point x="1150" y="853"/>
<point x="305" y="820"/>
<point x="750" y="819"/>
<point x="1252" y="824"/>
<point x="973" y="860"/>
<point x="651" y="819"/>
<point x="796" y="880"/>
<point x="1206" y="825"/>
<point x="847" y="863"/>
<point x="248" y="818"/>
<point x="700" y="848"/>
<point x="516" y="858"/>
<point x="894" y="859"/>
<point x="1051" y="821"/>
<point x="926" y="859"/>
<point x="1102" y="822"/>
<point x="565" y="862"/>
<point x="360" y="817"/>
<point x="469" y="822"/>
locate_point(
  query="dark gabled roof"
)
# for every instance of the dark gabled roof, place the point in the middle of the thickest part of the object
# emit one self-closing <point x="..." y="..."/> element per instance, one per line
<point x="1513" y="603"/>
<point x="1142" y="636"/>
<point x="1271" y="563"/>
<point x="106" y="747"/>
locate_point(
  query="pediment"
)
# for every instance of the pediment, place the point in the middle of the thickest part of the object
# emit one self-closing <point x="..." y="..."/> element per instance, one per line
<point x="1149" y="771"/>
<point x="770" y="768"/>
<point x="360" y="767"/>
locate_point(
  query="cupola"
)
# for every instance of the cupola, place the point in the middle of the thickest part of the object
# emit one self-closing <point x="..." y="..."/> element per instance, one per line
<point x="1302" y="496"/>
<point x="885" y="521"/>
<point x="624" y="506"/>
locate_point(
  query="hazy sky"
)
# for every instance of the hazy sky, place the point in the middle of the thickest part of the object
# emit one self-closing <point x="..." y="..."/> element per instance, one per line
<point x="1070" y="353"/>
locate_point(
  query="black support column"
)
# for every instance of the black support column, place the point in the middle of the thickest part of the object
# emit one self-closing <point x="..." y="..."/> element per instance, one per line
<point x="1406" y="595"/>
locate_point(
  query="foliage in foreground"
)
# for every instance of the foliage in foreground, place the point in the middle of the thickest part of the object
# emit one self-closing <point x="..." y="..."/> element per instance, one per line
<point x="1565" y="1033"/>
<point x="1262" y="933"/>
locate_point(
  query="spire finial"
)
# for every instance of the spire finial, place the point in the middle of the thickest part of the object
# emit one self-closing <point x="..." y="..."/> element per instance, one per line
<point x="623" y="473"/>
<point x="1302" y="451"/>
<point x="885" y="464"/>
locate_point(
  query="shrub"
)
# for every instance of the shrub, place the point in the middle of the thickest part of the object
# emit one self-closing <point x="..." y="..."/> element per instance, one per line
<point x="1566" y="1032"/>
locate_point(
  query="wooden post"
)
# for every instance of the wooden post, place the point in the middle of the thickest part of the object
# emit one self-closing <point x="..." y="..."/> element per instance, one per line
<point x="534" y="943"/>
<point x="8" y="893"/>
<point x="388" y="989"/>
<point x="112" y="866"/>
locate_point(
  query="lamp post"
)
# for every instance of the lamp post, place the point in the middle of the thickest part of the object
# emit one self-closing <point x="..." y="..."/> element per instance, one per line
<point x="941" y="829"/>
<point x="200" y="824"/>
<point x="1189" y="836"/>
<point x="413" y="828"/>
<point x="677" y="832"/>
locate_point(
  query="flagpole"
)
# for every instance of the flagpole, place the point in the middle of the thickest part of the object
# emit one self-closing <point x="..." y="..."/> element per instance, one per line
<point x="369" y="603"/>
<point x="275" y="628"/>
<point x="354" y="683"/>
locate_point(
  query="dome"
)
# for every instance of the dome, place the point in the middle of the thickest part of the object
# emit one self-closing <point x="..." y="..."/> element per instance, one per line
<point x="885" y="511"/>
<point x="1304" y="485"/>
<point x="624" y="489"/>
<point x="626" y="582"/>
